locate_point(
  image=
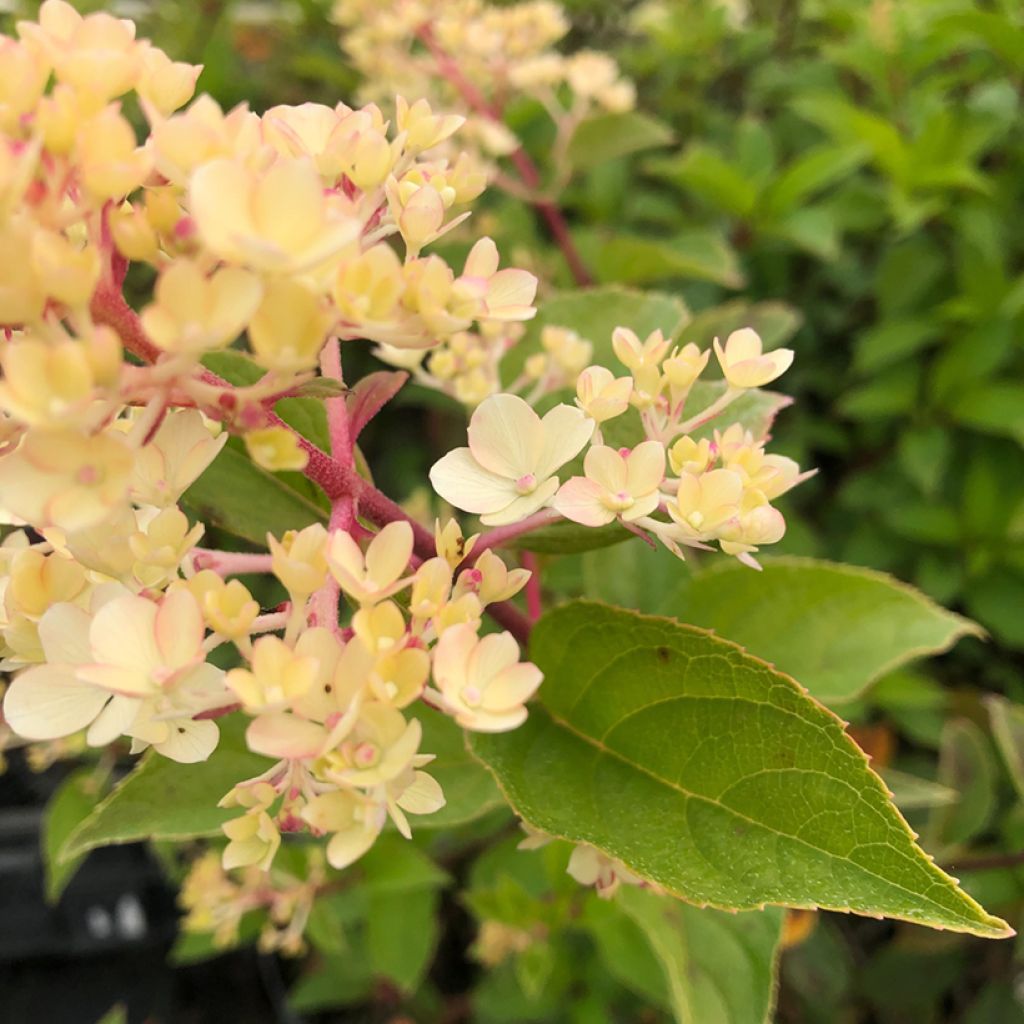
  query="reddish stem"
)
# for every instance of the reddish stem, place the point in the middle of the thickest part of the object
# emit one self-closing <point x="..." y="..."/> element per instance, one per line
<point x="525" y="167"/>
<point x="504" y="534"/>
<point x="534" y="606"/>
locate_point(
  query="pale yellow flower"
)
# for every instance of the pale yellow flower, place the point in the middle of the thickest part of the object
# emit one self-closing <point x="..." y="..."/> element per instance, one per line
<point x="602" y="395"/>
<point x="745" y="364"/>
<point x="480" y="681"/>
<point x="377" y="574"/>
<point x="616" y="484"/>
<point x="508" y="470"/>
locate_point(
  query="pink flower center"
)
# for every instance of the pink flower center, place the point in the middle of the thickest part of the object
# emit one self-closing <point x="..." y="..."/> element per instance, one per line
<point x="526" y="484"/>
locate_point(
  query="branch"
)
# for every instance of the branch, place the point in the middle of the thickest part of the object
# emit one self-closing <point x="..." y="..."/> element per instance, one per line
<point x="525" y="167"/>
<point x="503" y="534"/>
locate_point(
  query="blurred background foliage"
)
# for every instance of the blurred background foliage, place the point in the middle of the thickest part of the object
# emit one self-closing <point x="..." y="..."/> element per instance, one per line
<point x="847" y="177"/>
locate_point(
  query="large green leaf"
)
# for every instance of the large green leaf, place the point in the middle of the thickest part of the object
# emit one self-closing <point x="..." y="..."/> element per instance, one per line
<point x="712" y="774"/>
<point x="161" y="799"/>
<point x="702" y="255"/>
<point x="720" y="968"/>
<point x="594" y="313"/>
<point x="236" y="495"/>
<point x="608" y="136"/>
<point x="835" y="628"/>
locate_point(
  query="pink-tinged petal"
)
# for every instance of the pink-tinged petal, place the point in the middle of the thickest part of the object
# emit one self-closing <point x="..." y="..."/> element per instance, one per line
<point x="123" y="634"/>
<point x="113" y="721"/>
<point x="495" y="653"/>
<point x="645" y="467"/>
<point x="755" y="373"/>
<point x="512" y="687"/>
<point x="47" y="702"/>
<point x="451" y="656"/>
<point x="345" y="558"/>
<point x="720" y="487"/>
<point x="464" y="483"/>
<point x="282" y="735"/>
<point x="579" y="499"/>
<point x="423" y="796"/>
<point x="190" y="742"/>
<point x="523" y="506"/>
<point x="482" y="260"/>
<point x="566" y="433"/>
<point x="607" y="468"/>
<point x="64" y="633"/>
<point x="642" y="506"/>
<point x="345" y="848"/>
<point x="480" y="721"/>
<point x="179" y="629"/>
<point x="506" y="437"/>
<point x="389" y="552"/>
<point x="511" y="292"/>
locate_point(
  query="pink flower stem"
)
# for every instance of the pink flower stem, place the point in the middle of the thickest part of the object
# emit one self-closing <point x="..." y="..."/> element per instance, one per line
<point x="502" y="535"/>
<point x="525" y="167"/>
<point x="534" y="605"/>
<point x="229" y="563"/>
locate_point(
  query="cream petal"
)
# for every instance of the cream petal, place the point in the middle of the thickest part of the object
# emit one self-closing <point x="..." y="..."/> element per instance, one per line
<point x="482" y="260"/>
<point x="579" y="499"/>
<point x="116" y="679"/>
<point x="642" y="506"/>
<point x="282" y="735"/>
<point x="122" y="634"/>
<point x="64" y="633"/>
<point x="523" y="506"/>
<point x="743" y="344"/>
<point x="423" y="796"/>
<point x="220" y="197"/>
<point x="506" y="437"/>
<point x="113" y="721"/>
<point x="495" y="653"/>
<point x="345" y="848"/>
<point x="464" y="483"/>
<point x="179" y="629"/>
<point x="512" y="687"/>
<point x="190" y="741"/>
<point x="606" y="467"/>
<point x="479" y="721"/>
<point x="451" y="656"/>
<point x="645" y="468"/>
<point x="49" y="701"/>
<point x="510" y="294"/>
<point x="566" y="433"/>
<point x="389" y="552"/>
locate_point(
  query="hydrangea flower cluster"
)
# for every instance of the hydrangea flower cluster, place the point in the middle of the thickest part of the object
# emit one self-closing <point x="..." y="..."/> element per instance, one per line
<point x="671" y="476"/>
<point x="294" y="231"/>
<point x="443" y="49"/>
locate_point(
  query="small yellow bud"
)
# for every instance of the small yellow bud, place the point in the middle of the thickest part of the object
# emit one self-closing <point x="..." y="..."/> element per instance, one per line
<point x="276" y="449"/>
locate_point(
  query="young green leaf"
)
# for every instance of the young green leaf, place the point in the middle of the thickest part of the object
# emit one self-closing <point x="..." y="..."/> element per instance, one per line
<point x="712" y="774"/>
<point x="835" y="628"/>
<point x="1008" y="731"/>
<point x="72" y="802"/>
<point x="609" y="136"/>
<point x="720" y="968"/>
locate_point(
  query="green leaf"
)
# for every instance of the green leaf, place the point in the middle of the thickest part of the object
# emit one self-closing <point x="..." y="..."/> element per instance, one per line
<point x="337" y="979"/>
<point x="706" y="173"/>
<point x="967" y="766"/>
<point x="699" y="255"/>
<point x="395" y="865"/>
<point x="815" y="170"/>
<point x="711" y="774"/>
<point x="469" y="789"/>
<point x="892" y="340"/>
<point x="911" y="792"/>
<point x="1008" y="731"/>
<point x="401" y="935"/>
<point x="72" y="802"/>
<point x="993" y="408"/>
<point x="565" y="538"/>
<point x="720" y="968"/>
<point x="609" y="136"/>
<point x="835" y="628"/>
<point x="594" y="314"/>
<point x="161" y="799"/>
<point x="815" y="229"/>
<point x="238" y="496"/>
